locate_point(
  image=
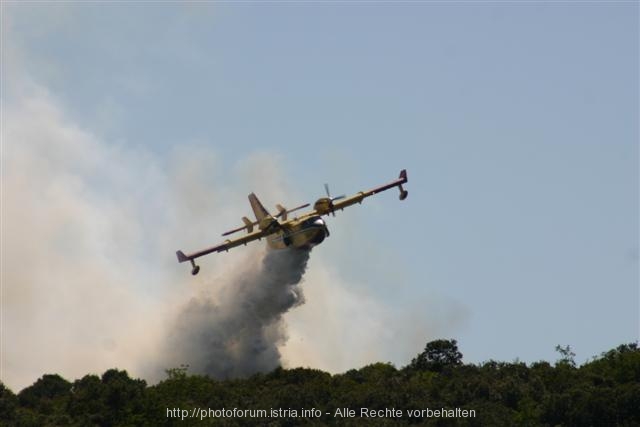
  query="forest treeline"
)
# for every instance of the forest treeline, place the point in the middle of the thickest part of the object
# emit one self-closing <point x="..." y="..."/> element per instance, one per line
<point x="602" y="392"/>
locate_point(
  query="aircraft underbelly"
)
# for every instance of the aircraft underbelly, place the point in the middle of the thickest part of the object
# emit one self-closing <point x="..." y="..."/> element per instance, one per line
<point x="304" y="238"/>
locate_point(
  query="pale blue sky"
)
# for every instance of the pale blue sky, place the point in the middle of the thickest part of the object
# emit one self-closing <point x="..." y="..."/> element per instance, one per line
<point x="517" y="122"/>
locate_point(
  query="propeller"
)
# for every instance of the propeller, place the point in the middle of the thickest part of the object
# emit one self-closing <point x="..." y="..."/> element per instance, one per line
<point x="331" y="199"/>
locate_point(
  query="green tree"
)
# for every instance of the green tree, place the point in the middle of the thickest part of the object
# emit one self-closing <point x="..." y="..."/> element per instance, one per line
<point x="123" y="397"/>
<point x="567" y="356"/>
<point x="8" y="403"/>
<point x="47" y="388"/>
<point x="604" y="391"/>
<point x="437" y="356"/>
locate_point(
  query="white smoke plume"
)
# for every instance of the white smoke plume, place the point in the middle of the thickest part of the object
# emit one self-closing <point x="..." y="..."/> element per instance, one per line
<point x="237" y="332"/>
<point x="90" y="280"/>
<point x="88" y="274"/>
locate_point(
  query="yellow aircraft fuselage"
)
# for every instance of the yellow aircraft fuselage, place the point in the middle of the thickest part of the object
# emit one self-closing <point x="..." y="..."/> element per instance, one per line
<point x="303" y="233"/>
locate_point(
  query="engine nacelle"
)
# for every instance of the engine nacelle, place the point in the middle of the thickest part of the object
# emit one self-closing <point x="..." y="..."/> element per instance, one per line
<point x="268" y="223"/>
<point x="323" y="205"/>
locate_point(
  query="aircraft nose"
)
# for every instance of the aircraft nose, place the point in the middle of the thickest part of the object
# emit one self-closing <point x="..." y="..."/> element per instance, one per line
<point x="319" y="236"/>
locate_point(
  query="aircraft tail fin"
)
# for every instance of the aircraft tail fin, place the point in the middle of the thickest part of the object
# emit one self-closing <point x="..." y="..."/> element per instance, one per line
<point x="257" y="207"/>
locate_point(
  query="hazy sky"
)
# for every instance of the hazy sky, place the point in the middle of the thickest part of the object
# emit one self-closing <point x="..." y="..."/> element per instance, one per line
<point x="517" y="123"/>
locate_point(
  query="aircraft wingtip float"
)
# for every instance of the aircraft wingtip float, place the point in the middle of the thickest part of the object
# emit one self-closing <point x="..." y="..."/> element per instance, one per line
<point x="304" y="231"/>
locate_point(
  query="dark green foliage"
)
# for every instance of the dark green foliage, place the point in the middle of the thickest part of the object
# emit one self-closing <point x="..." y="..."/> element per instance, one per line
<point x="45" y="390"/>
<point x="603" y="392"/>
<point x="567" y="355"/>
<point x="8" y="403"/>
<point x="438" y="355"/>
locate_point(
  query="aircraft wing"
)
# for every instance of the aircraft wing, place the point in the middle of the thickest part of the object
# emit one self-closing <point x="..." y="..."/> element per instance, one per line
<point x="224" y="246"/>
<point x="357" y="198"/>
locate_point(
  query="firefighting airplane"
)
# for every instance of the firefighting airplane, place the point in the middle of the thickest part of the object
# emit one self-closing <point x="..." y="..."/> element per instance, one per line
<point x="305" y="231"/>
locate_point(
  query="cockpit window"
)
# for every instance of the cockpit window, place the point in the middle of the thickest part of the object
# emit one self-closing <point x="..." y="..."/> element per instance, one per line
<point x="316" y="220"/>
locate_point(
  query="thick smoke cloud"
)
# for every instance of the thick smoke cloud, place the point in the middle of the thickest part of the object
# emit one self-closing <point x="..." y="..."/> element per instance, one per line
<point x="237" y="332"/>
<point x="89" y="279"/>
